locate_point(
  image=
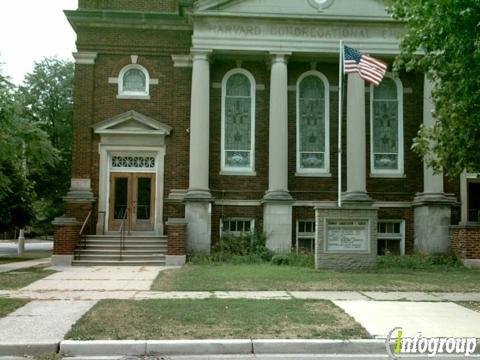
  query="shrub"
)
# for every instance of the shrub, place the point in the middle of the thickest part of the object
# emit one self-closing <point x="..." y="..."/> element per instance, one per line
<point x="301" y="259"/>
<point x="248" y="249"/>
<point x="419" y="261"/>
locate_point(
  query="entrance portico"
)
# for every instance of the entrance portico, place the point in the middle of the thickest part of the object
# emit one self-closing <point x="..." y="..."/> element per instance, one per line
<point x="131" y="173"/>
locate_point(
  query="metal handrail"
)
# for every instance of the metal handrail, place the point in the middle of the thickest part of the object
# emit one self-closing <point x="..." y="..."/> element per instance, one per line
<point x="83" y="234"/>
<point x="122" y="232"/>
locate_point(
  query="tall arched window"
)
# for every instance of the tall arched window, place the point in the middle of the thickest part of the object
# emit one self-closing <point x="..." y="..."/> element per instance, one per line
<point x="238" y="122"/>
<point x="313" y="153"/>
<point x="133" y="80"/>
<point x="386" y="127"/>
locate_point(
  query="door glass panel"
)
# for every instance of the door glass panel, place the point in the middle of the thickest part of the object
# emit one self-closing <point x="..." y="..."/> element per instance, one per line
<point x="121" y="197"/>
<point x="143" y="198"/>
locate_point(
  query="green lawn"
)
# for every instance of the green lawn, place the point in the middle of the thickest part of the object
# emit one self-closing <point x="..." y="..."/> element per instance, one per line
<point x="270" y="277"/>
<point x="214" y="318"/>
<point x="8" y="305"/>
<point x="29" y="255"/>
<point x="20" y="278"/>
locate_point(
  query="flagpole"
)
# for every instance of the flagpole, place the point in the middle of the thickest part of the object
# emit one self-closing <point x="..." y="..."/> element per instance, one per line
<point x="340" y="108"/>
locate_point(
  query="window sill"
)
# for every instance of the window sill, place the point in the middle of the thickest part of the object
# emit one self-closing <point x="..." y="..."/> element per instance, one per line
<point x="238" y="173"/>
<point x="317" y="175"/>
<point x="133" y="97"/>
<point x="391" y="176"/>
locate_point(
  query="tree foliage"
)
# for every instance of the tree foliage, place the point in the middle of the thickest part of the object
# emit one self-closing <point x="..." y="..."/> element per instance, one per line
<point x="35" y="144"/>
<point x="442" y="39"/>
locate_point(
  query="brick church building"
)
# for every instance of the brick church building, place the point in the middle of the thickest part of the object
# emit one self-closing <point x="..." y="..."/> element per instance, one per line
<point x="195" y="119"/>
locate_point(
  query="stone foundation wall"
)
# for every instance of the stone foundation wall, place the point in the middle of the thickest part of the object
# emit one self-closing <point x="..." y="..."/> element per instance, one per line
<point x="465" y="241"/>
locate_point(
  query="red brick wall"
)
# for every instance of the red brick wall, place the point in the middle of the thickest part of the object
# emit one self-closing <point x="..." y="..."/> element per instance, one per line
<point x="247" y="212"/>
<point x="66" y="238"/>
<point x="135" y="5"/>
<point x="465" y="241"/>
<point x="176" y="239"/>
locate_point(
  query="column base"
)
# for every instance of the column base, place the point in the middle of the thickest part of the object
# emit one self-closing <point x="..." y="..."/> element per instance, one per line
<point x="359" y="198"/>
<point x="432" y="216"/>
<point x="198" y="215"/>
<point x="277" y="195"/>
<point x="277" y="225"/>
<point x="61" y="260"/>
<point x="198" y="195"/>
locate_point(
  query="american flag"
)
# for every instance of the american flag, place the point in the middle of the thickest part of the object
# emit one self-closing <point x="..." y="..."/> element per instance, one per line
<point x="369" y="68"/>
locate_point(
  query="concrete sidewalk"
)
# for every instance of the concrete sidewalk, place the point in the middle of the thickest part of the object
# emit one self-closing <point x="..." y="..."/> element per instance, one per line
<point x="138" y="290"/>
<point x="23" y="264"/>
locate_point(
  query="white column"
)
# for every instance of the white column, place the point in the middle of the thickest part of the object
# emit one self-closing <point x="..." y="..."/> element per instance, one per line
<point x="432" y="208"/>
<point x="278" y="137"/>
<point x="432" y="183"/>
<point x="198" y="209"/>
<point x="200" y="126"/>
<point x="277" y="211"/>
<point x="356" y="140"/>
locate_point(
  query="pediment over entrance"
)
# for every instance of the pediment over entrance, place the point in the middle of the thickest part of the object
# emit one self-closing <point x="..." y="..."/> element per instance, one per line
<point x="133" y="123"/>
<point x="334" y="9"/>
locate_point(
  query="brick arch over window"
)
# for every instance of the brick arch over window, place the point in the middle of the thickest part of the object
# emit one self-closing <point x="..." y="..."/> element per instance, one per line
<point x="148" y="64"/>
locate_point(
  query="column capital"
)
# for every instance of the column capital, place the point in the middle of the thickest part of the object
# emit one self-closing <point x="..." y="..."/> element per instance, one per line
<point x="85" y="58"/>
<point x="279" y="56"/>
<point x="201" y="54"/>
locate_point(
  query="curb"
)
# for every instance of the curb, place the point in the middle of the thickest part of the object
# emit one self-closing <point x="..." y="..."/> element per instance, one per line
<point x="220" y="347"/>
<point x="28" y="349"/>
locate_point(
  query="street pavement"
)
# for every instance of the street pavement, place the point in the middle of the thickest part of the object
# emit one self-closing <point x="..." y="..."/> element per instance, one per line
<point x="10" y="247"/>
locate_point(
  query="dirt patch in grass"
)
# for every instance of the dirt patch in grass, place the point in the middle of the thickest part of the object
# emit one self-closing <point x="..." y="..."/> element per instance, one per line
<point x="20" y="278"/>
<point x="215" y="318"/>
<point x="29" y="255"/>
<point x="266" y="277"/>
<point x="8" y="305"/>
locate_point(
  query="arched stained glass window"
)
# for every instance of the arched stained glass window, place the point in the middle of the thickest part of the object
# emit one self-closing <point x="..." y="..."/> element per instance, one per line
<point x="133" y="80"/>
<point x="312" y="123"/>
<point x="387" y="127"/>
<point x="238" y="119"/>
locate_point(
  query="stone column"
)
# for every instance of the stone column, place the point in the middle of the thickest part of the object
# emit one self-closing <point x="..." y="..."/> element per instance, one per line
<point x="432" y="208"/>
<point x="277" y="219"/>
<point x="356" y="141"/>
<point x="198" y="198"/>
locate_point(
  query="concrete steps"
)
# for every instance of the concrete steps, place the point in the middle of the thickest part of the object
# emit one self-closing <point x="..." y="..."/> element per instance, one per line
<point x="104" y="250"/>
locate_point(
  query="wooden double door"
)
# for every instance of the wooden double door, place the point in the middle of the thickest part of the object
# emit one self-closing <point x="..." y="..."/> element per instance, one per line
<point x="132" y="197"/>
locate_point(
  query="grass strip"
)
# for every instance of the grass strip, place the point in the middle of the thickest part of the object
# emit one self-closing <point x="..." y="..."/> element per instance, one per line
<point x="265" y="277"/>
<point x="17" y="279"/>
<point x="8" y="305"/>
<point x="215" y="319"/>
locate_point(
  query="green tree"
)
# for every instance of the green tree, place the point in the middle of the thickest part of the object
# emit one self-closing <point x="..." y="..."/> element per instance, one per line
<point x="442" y="39"/>
<point x="46" y="97"/>
<point x="24" y="149"/>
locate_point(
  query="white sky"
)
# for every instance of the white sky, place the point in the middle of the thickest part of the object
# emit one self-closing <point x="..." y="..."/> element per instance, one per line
<point x="31" y="30"/>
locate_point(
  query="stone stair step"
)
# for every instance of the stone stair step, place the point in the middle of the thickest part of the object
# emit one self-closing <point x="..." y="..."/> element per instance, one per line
<point x="118" y="263"/>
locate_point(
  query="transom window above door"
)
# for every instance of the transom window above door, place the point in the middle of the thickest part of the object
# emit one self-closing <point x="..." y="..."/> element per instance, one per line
<point x="238" y="123"/>
<point x="133" y="162"/>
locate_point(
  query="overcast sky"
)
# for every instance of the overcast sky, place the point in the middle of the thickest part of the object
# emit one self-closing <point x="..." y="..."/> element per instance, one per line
<point x="31" y="30"/>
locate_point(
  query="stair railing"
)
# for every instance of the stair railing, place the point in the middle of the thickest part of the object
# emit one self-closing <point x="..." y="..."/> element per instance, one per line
<point x="122" y="231"/>
<point x="83" y="232"/>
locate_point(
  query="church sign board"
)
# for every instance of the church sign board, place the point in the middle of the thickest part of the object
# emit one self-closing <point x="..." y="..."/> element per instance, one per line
<point x="346" y="238"/>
